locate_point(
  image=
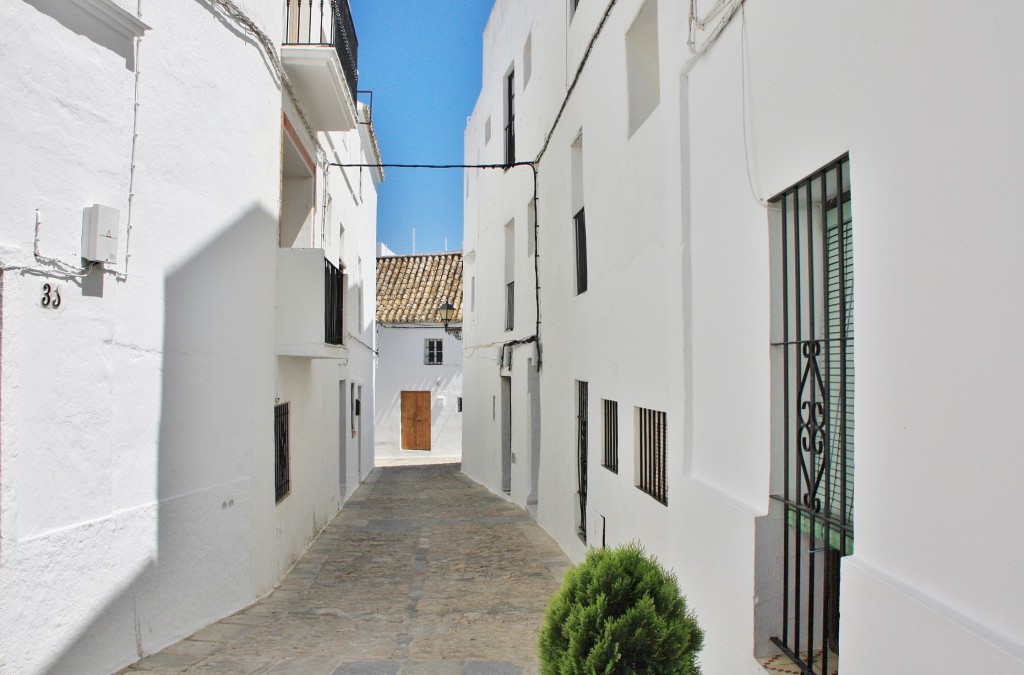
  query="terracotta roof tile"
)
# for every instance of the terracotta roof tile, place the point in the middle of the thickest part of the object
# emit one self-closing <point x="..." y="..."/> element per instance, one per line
<point x="410" y="288"/>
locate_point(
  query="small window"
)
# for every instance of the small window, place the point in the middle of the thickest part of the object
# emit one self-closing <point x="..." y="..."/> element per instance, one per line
<point x="459" y="404"/>
<point x="651" y="445"/>
<point x="611" y="436"/>
<point x="527" y="59"/>
<point x="282" y="482"/>
<point x="581" y="251"/>
<point x="510" y="305"/>
<point x="582" y="428"/>
<point x="432" y="352"/>
<point x="510" y="118"/>
<point x="642" y="73"/>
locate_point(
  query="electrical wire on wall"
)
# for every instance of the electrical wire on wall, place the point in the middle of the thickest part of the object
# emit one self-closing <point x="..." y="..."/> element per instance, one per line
<point x="536" y="249"/>
<point x="743" y="90"/>
<point x="48" y="266"/>
<point x="724" y="8"/>
<point x="535" y="338"/>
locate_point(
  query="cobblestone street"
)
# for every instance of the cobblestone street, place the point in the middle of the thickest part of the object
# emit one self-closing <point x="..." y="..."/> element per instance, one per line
<point x="423" y="571"/>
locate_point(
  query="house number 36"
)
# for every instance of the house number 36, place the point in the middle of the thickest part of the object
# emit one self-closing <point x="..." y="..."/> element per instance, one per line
<point x="51" y="296"/>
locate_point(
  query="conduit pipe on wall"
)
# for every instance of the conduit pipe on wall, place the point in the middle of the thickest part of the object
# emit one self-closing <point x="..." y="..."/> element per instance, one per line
<point x="536" y="249"/>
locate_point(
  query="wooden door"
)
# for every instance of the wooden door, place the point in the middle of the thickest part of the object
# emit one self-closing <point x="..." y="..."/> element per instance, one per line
<point x="416" y="420"/>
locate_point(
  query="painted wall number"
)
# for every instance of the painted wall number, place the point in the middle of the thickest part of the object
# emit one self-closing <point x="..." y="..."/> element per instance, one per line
<point x="51" y="296"/>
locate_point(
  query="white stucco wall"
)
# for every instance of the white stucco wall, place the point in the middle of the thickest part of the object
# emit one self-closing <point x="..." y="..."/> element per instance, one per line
<point x="677" y="314"/>
<point x="400" y="367"/>
<point x="136" y="420"/>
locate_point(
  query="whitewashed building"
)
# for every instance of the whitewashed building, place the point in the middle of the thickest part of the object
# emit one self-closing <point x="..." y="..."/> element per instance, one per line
<point x="709" y="175"/>
<point x="419" y="366"/>
<point x="187" y="310"/>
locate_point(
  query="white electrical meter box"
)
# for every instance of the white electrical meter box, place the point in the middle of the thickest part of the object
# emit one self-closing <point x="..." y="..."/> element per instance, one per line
<point x="99" y="233"/>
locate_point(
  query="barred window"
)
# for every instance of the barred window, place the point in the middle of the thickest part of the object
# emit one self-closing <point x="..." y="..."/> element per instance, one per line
<point x="282" y="482"/>
<point x="611" y="436"/>
<point x="582" y="428"/>
<point x="651" y="444"/>
<point x="432" y="352"/>
<point x="580" y="224"/>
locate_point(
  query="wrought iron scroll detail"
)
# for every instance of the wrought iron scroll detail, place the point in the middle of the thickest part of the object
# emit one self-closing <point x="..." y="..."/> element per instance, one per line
<point x="813" y="425"/>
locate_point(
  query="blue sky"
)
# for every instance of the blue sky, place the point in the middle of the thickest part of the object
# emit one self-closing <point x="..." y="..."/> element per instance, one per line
<point x="422" y="59"/>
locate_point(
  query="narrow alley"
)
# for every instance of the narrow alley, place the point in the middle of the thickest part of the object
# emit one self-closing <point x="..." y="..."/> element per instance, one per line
<point x="423" y="571"/>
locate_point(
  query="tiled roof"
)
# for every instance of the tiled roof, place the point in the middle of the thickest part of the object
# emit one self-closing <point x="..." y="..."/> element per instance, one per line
<point x="410" y="288"/>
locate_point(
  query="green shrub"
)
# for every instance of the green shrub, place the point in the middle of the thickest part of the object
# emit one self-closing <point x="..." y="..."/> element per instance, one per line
<point x="619" y="611"/>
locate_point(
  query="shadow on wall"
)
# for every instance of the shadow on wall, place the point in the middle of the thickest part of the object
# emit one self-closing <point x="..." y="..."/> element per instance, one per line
<point x="76" y="19"/>
<point x="214" y="452"/>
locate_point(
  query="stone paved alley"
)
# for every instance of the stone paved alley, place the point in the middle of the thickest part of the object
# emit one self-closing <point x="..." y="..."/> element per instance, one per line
<point x="423" y="571"/>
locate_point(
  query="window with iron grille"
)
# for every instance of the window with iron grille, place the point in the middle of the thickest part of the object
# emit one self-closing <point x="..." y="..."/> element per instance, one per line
<point x="813" y="338"/>
<point x="433" y="352"/>
<point x="334" y="304"/>
<point x="582" y="424"/>
<point x="510" y="118"/>
<point x="282" y="482"/>
<point x="651" y="451"/>
<point x="510" y="305"/>
<point x="580" y="223"/>
<point x="611" y="436"/>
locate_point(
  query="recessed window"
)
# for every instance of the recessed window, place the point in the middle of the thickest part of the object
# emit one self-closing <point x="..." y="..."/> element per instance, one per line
<point x="813" y="404"/>
<point x="582" y="427"/>
<point x="282" y="458"/>
<point x="510" y="118"/>
<point x="433" y="352"/>
<point x="651" y="447"/>
<point x="527" y="59"/>
<point x="610" y="460"/>
<point x="510" y="305"/>
<point x="580" y="224"/>
<point x="642" y="72"/>
<point x="459" y="404"/>
<point x="510" y="274"/>
<point x="579" y="219"/>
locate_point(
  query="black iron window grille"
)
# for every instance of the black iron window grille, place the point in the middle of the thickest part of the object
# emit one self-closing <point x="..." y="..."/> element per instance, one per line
<point x="510" y="124"/>
<point x="433" y="352"/>
<point x="651" y="443"/>
<point x="510" y="305"/>
<point x="582" y="400"/>
<point x="334" y="304"/>
<point x="580" y="223"/>
<point x="611" y="436"/>
<point x="326" y="23"/>
<point x="814" y="309"/>
<point x="282" y="459"/>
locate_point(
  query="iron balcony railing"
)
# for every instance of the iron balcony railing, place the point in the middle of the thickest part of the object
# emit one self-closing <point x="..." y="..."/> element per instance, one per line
<point x="334" y="304"/>
<point x="326" y="23"/>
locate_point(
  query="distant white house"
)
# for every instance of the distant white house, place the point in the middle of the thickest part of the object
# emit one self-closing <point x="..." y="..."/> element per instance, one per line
<point x="419" y="363"/>
<point x="774" y="247"/>
<point x="187" y="302"/>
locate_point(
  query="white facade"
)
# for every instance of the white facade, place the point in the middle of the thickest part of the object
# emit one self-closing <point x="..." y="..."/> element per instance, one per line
<point x="675" y="157"/>
<point x="137" y="428"/>
<point x="401" y="366"/>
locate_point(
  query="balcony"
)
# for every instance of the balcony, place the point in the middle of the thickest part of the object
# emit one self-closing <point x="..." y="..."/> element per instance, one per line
<point x="320" y="54"/>
<point x="310" y="305"/>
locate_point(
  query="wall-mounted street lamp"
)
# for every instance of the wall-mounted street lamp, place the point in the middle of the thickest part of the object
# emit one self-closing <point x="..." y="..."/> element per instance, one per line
<point x="446" y="313"/>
